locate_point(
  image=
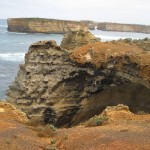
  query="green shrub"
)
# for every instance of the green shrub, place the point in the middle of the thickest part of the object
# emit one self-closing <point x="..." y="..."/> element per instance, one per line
<point x="141" y="113"/>
<point x="53" y="141"/>
<point x="128" y="40"/>
<point x="53" y="128"/>
<point x="96" y="121"/>
<point x="146" y="39"/>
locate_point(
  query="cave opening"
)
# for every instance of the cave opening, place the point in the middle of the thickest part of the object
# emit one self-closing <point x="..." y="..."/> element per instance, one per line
<point x="135" y="96"/>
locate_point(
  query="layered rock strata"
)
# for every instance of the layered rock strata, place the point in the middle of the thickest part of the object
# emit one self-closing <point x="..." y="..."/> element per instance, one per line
<point x="123" y="27"/>
<point x="66" y="89"/>
<point x="41" y="25"/>
<point x="117" y="56"/>
<point x="76" y="39"/>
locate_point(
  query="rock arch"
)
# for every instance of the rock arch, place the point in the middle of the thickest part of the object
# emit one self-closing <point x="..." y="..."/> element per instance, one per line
<point x="66" y="89"/>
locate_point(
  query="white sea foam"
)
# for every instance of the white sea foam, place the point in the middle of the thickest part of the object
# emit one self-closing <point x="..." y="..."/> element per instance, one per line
<point x="106" y="37"/>
<point x="3" y="75"/>
<point x="19" y="43"/>
<point x="16" y="33"/>
<point x="5" y="26"/>
<point x="12" y="56"/>
<point x="3" y="31"/>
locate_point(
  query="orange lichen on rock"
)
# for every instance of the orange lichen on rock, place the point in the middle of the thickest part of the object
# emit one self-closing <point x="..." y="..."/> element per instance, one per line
<point x="100" y="52"/>
<point x="122" y="57"/>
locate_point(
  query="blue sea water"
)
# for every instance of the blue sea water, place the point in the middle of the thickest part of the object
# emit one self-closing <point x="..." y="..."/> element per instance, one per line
<point x="13" y="47"/>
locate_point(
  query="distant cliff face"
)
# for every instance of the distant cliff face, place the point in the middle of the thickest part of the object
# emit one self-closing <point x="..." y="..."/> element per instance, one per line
<point x="39" y="25"/>
<point x="91" y="24"/>
<point x="123" y="27"/>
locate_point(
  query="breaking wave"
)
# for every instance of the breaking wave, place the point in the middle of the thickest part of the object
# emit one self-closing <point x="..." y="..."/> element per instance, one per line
<point x="104" y="37"/>
<point x="16" y="33"/>
<point x="12" y="56"/>
<point x="4" y="26"/>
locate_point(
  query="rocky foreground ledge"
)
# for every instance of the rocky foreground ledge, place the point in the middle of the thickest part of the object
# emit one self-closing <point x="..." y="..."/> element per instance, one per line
<point x="122" y="130"/>
<point x="66" y="87"/>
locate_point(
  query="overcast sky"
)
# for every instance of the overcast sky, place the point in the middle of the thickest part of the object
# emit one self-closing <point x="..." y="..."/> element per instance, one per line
<point x="123" y="11"/>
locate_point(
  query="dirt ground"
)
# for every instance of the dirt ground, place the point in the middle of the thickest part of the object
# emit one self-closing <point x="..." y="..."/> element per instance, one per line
<point x="123" y="131"/>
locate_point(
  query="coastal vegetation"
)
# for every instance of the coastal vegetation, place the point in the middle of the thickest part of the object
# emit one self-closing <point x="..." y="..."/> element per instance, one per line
<point x="143" y="43"/>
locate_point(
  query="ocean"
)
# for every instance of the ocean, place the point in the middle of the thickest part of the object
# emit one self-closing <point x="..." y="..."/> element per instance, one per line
<point x="13" y="47"/>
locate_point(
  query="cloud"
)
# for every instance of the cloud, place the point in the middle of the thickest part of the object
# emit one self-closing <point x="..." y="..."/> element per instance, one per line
<point x="125" y="11"/>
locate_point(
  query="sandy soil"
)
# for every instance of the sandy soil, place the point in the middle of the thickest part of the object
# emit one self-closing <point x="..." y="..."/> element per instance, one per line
<point x="124" y="131"/>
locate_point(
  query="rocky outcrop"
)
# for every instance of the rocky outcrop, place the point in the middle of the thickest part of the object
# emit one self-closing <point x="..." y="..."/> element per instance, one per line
<point x="117" y="56"/>
<point x="9" y="111"/>
<point x="92" y="25"/>
<point x="14" y="132"/>
<point x="123" y="27"/>
<point x="17" y="132"/>
<point x="41" y="25"/>
<point x="66" y="89"/>
<point x="76" y="39"/>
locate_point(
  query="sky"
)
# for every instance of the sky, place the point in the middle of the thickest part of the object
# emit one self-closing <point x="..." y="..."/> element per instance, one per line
<point x="121" y="11"/>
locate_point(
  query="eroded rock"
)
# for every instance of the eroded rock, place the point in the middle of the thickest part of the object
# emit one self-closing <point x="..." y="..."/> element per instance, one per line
<point x="76" y="39"/>
<point x="59" y="87"/>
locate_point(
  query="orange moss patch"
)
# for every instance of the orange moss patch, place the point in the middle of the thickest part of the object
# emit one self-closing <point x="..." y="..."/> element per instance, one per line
<point x="114" y="55"/>
<point x="101" y="51"/>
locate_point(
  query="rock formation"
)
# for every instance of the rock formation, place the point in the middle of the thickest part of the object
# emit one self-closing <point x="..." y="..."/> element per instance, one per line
<point x="116" y="132"/>
<point x="109" y="26"/>
<point x="91" y="24"/>
<point x="117" y="56"/>
<point x="123" y="27"/>
<point x="14" y="132"/>
<point x="8" y="110"/>
<point x="41" y="25"/>
<point x="66" y="89"/>
<point x="76" y="39"/>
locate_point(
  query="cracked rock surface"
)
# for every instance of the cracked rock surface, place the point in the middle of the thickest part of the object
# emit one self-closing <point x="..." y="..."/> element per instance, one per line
<point x="65" y="89"/>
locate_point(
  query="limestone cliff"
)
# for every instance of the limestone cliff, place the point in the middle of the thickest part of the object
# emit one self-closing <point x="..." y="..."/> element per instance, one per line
<point x="91" y="24"/>
<point x="76" y="39"/>
<point x="41" y="25"/>
<point x="66" y="89"/>
<point x="123" y="27"/>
